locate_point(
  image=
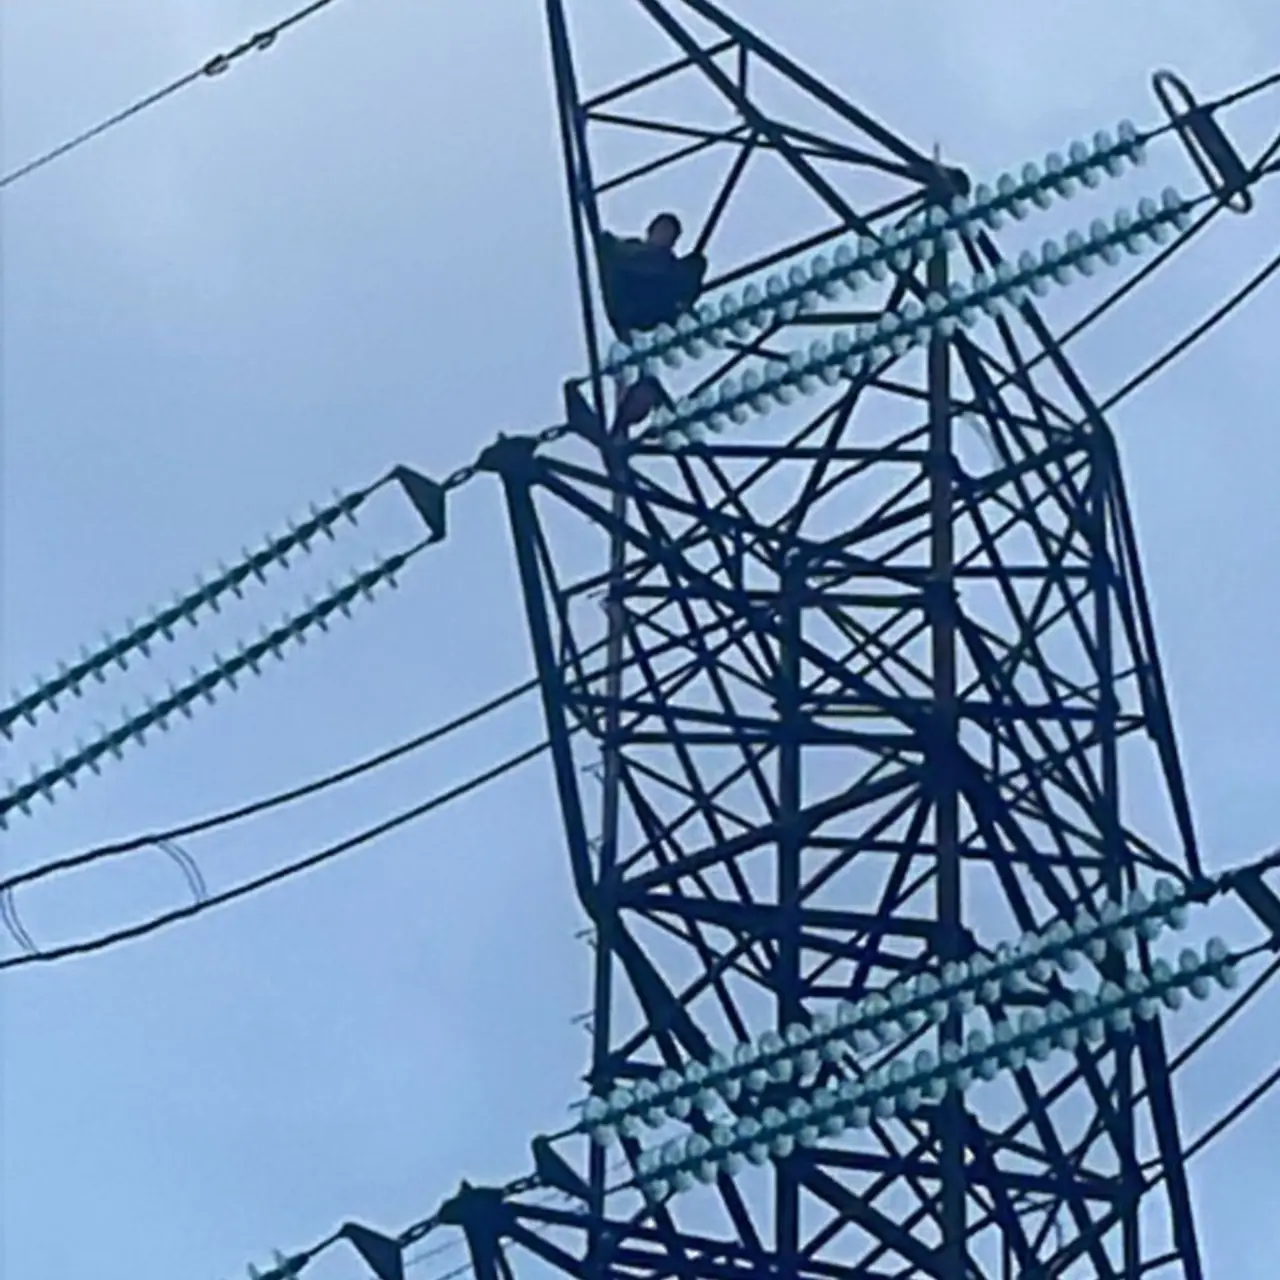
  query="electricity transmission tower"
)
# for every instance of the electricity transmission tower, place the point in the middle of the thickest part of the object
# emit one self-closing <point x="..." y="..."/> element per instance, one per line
<point x="848" y="675"/>
<point x="875" y="670"/>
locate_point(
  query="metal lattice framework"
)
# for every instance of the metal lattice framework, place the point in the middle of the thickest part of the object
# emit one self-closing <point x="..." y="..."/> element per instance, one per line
<point x="852" y="696"/>
<point x="877" y="668"/>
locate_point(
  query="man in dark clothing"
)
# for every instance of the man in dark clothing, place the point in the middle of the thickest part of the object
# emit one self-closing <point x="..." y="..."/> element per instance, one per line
<point x="643" y="282"/>
<point x="638" y="401"/>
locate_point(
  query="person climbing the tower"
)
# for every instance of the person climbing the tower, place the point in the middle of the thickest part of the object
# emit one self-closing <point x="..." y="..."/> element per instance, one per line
<point x="643" y="281"/>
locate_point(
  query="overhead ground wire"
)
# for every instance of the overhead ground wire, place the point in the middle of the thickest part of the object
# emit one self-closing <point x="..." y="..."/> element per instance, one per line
<point x="215" y="66"/>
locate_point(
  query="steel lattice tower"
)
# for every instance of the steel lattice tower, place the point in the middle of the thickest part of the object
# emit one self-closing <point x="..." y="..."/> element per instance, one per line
<point x="835" y="697"/>
<point x="855" y="712"/>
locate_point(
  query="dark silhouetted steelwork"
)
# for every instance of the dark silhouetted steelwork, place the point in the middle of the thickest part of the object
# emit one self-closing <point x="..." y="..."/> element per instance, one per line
<point x="877" y="666"/>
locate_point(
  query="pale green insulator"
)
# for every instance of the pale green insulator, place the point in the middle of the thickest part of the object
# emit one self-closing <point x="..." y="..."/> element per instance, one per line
<point x="899" y="1074"/>
<point x="824" y="276"/>
<point x="690" y="337"/>
<point x="621" y="1101"/>
<point x="1004" y="1037"/>
<point x="666" y="344"/>
<point x="874" y="1012"/>
<point x="1110" y="914"/>
<point x="1143" y="997"/>
<point x="1090" y="935"/>
<point x="802" y="1122"/>
<point x="1035" y="1034"/>
<point x="1091" y="1017"/>
<point x="672" y="1155"/>
<point x="948" y="1073"/>
<point x="669" y="1097"/>
<point x="753" y="1134"/>
<point x="1218" y="956"/>
<point x="1105" y="154"/>
<point x="1037" y="186"/>
<point x="773" y="1121"/>
<point x="829" y="1112"/>
<point x="1062" y="946"/>
<point x="1134" y="148"/>
<point x="986" y="979"/>
<point x="1054" y="167"/>
<point x="1188" y="968"/>
<point x="744" y="1055"/>
<point x="924" y="1065"/>
<point x="656" y="1190"/>
<point x="755" y="312"/>
<point x="1101" y="241"/>
<point x="1029" y="270"/>
<point x="770" y="1045"/>
<point x="1172" y="906"/>
<point x="777" y="383"/>
<point x="957" y="978"/>
<point x="1164" y="980"/>
<point x="649" y="1104"/>
<point x="877" y="1095"/>
<point x="909" y="1100"/>
<point x="986" y="1065"/>
<point x="696" y="1152"/>
<point x="1051" y="261"/>
<point x="929" y="988"/>
<point x="850" y="1097"/>
<point x="1062" y="1035"/>
<point x="827" y="1036"/>
<point x="185" y="608"/>
<point x="847" y="1013"/>
<point x="986" y="207"/>
<point x="799" y="374"/>
<point x="1076" y="251"/>
<point x="1113" y="1008"/>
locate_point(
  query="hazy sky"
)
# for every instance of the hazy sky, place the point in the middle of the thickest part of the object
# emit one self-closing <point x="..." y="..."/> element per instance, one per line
<point x="351" y="252"/>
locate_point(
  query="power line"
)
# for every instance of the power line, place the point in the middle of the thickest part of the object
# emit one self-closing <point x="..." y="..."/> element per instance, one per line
<point x="1193" y="335"/>
<point x="1229" y="1117"/>
<point x="1265" y="165"/>
<point x="215" y="66"/>
<point x="228" y="816"/>
<point x="326" y="854"/>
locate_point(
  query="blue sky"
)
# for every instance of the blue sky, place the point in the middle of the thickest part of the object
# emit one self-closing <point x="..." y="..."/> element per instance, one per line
<point x="351" y="253"/>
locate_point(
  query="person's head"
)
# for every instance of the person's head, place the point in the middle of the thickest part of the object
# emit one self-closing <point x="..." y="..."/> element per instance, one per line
<point x="664" y="230"/>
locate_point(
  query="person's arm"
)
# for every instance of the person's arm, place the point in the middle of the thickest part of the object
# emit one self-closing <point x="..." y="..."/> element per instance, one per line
<point x="693" y="271"/>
